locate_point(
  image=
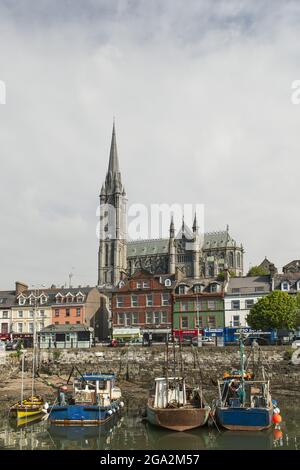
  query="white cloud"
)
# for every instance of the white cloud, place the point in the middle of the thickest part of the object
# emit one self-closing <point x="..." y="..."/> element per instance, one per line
<point x="201" y="97"/>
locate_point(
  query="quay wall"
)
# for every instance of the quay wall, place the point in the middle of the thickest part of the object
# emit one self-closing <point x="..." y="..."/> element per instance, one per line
<point x="140" y="365"/>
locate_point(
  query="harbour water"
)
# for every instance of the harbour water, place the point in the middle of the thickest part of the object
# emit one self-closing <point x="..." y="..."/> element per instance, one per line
<point x="131" y="432"/>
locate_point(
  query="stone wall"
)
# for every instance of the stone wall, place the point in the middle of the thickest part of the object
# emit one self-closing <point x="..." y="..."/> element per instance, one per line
<point x="140" y="365"/>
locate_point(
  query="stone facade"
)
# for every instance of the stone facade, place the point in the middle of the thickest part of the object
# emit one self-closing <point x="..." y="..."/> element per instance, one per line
<point x="195" y="256"/>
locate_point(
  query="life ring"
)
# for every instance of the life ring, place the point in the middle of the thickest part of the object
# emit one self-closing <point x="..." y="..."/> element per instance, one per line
<point x="296" y="357"/>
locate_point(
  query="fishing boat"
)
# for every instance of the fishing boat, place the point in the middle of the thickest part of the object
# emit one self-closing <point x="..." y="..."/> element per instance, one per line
<point x="30" y="406"/>
<point x="244" y="404"/>
<point x="175" y="406"/>
<point x="94" y="401"/>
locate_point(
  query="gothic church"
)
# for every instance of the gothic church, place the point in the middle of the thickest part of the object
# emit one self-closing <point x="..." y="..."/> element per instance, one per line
<point x="119" y="258"/>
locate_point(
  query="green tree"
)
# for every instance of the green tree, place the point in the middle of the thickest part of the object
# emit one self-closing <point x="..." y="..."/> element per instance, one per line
<point x="257" y="271"/>
<point x="276" y="310"/>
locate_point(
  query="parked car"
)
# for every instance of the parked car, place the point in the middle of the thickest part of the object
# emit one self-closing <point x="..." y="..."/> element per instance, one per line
<point x="136" y="341"/>
<point x="116" y="343"/>
<point x="296" y="342"/>
<point x="208" y="340"/>
<point x="11" y="345"/>
<point x="259" y="339"/>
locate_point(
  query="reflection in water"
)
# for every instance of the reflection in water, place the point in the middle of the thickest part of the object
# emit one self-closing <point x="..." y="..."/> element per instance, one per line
<point x="130" y="432"/>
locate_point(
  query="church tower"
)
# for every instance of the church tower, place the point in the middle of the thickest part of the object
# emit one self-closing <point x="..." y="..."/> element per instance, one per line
<point x="112" y="259"/>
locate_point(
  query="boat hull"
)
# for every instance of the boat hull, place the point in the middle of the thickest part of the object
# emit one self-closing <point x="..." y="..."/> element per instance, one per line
<point x="244" y="419"/>
<point x="177" y="419"/>
<point x="81" y="415"/>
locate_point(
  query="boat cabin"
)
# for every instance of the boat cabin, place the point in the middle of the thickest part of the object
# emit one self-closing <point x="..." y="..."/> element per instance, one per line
<point x="96" y="389"/>
<point x="171" y="390"/>
<point x="256" y="394"/>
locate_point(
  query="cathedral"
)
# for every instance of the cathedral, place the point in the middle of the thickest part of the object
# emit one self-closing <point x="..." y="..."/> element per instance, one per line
<point x="119" y="258"/>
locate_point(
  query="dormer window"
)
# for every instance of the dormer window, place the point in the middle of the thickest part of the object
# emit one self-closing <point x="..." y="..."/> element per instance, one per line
<point x="145" y="284"/>
<point x="43" y="299"/>
<point x="198" y="288"/>
<point x="168" y="283"/>
<point x="214" y="287"/>
<point x="31" y="299"/>
<point x="182" y="289"/>
<point x="285" y="286"/>
<point x="298" y="285"/>
<point x="22" y="300"/>
<point x="69" y="298"/>
<point x="80" y="297"/>
<point x="59" y="298"/>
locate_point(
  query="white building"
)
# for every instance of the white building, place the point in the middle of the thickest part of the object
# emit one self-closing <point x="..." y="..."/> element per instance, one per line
<point x="240" y="295"/>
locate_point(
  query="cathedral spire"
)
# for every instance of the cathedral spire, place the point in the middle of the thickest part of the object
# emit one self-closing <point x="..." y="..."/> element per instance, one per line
<point x="172" y="228"/>
<point x="195" y="224"/>
<point x="113" y="166"/>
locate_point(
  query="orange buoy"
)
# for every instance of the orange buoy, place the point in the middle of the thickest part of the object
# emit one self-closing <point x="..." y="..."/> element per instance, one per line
<point x="277" y="434"/>
<point x="276" y="419"/>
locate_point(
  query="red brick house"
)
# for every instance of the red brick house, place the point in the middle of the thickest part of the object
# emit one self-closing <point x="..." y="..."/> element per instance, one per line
<point x="142" y="306"/>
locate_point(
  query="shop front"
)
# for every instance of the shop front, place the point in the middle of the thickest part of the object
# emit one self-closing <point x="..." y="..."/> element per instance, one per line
<point x="127" y="334"/>
<point x="156" y="335"/>
<point x="186" y="336"/>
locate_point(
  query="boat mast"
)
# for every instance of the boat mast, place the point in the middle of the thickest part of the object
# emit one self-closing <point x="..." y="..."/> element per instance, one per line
<point x="22" y="388"/>
<point x="242" y="368"/>
<point x="34" y="339"/>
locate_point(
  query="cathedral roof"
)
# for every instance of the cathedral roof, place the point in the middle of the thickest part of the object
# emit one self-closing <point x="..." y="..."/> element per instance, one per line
<point x="161" y="245"/>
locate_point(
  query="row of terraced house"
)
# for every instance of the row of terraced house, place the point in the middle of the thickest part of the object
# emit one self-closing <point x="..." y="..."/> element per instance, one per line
<point x="142" y="306"/>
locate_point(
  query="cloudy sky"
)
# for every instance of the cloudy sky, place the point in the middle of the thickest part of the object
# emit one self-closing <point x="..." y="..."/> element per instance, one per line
<point x="201" y="92"/>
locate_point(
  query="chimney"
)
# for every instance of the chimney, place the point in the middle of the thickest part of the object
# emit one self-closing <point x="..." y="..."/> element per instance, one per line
<point x="20" y="287"/>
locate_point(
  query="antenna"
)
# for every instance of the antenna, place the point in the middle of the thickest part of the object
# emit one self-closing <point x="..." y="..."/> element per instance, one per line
<point x="71" y="275"/>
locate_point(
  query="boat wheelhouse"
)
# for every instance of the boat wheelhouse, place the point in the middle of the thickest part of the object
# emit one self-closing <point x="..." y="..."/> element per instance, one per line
<point x="94" y="400"/>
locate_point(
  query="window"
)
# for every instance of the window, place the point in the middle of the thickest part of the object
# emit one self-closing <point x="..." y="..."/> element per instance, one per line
<point x="238" y="260"/>
<point x="43" y="299"/>
<point x="42" y="313"/>
<point x="249" y="303"/>
<point x="20" y="314"/>
<point x="236" y="320"/>
<point x="168" y="283"/>
<point x="31" y="313"/>
<point x="4" y="328"/>
<point x="22" y="301"/>
<point x="298" y="285"/>
<point x="184" y="306"/>
<point x="145" y="284"/>
<point x="164" y="317"/>
<point x="5" y="314"/>
<point x="78" y="312"/>
<point x="181" y="289"/>
<point x="165" y="299"/>
<point x="284" y="286"/>
<point x="67" y="312"/>
<point x="135" y="318"/>
<point x="56" y="312"/>
<point x="197" y="288"/>
<point x="235" y="304"/>
<point x="20" y="327"/>
<point x="119" y="302"/>
<point x="120" y="318"/>
<point x="78" y="323"/>
<point x="214" y="287"/>
<point x="67" y="323"/>
<point x="138" y="285"/>
<point x="156" y="318"/>
<point x="56" y="323"/>
<point x="198" y="322"/>
<point x="230" y="259"/>
<point x="59" y="299"/>
<point x="31" y="300"/>
<point x="30" y="329"/>
<point x="211" y="305"/>
<point x="127" y="319"/>
<point x="211" y="321"/>
<point x="79" y="299"/>
<point x="149" y="300"/>
<point x="149" y="317"/>
<point x="235" y="290"/>
<point x="184" y="322"/>
<point x="69" y="299"/>
<point x="134" y="301"/>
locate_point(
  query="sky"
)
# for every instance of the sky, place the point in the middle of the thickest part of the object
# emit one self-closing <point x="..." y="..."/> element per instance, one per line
<point x="202" y="96"/>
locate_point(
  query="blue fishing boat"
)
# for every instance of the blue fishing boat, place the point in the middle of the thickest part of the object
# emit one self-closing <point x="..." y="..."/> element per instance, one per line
<point x="94" y="401"/>
<point x="244" y="404"/>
